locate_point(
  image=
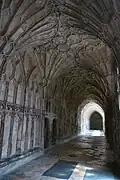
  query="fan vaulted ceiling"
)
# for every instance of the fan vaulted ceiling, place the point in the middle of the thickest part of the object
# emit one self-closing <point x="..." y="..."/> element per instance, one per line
<point x="64" y="45"/>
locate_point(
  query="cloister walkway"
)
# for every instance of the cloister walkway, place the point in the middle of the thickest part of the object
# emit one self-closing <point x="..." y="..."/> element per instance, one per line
<point x="83" y="158"/>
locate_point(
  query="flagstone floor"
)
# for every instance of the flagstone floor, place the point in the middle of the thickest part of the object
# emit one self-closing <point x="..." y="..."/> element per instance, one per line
<point x="83" y="158"/>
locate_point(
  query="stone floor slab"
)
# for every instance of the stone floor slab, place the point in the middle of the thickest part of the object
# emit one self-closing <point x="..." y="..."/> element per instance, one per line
<point x="61" y="170"/>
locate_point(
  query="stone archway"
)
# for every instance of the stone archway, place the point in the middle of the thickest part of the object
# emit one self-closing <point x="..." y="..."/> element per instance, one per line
<point x="46" y="133"/>
<point x="54" y="131"/>
<point x="85" y="114"/>
<point x="96" y="121"/>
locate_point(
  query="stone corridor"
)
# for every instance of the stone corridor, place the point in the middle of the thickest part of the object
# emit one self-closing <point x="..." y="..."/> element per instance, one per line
<point x="59" y="66"/>
<point x="82" y="158"/>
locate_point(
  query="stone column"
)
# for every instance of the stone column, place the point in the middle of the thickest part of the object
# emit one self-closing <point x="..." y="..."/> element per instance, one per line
<point x="36" y="131"/>
<point x="23" y="134"/>
<point x="12" y="115"/>
<point x="14" y="135"/>
<point x="50" y="132"/>
<point x="29" y="131"/>
<point x="43" y="115"/>
<point x="6" y="136"/>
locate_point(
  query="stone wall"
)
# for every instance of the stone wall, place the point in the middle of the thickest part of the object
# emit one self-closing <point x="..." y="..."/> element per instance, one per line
<point x="113" y="117"/>
<point x="22" y="117"/>
<point x="65" y="122"/>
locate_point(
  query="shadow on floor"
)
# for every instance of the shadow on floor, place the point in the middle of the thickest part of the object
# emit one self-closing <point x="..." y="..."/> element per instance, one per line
<point x="114" y="168"/>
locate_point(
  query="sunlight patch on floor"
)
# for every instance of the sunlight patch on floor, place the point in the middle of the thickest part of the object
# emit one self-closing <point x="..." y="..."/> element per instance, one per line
<point x="92" y="133"/>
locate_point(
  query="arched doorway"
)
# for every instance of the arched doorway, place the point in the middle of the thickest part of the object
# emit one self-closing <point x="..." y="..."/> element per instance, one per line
<point x="46" y="133"/>
<point x="96" y="122"/>
<point x="54" y="131"/>
<point x="84" y="115"/>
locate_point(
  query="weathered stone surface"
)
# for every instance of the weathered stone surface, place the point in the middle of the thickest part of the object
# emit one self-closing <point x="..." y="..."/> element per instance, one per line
<point x="57" y="54"/>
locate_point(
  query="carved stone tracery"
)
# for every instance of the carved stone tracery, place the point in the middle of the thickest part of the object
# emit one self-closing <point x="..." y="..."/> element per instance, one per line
<point x="57" y="51"/>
